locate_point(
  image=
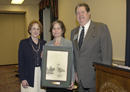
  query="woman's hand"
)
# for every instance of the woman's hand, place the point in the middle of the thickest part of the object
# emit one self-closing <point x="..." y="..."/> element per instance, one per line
<point x="41" y="54"/>
<point x="25" y="84"/>
<point x="71" y="86"/>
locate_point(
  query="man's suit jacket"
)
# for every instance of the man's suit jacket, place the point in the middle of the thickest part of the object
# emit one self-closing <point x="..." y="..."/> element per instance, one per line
<point x="65" y="43"/>
<point x="96" y="47"/>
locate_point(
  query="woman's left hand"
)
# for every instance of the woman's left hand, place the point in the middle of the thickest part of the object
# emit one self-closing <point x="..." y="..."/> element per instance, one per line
<point x="71" y="86"/>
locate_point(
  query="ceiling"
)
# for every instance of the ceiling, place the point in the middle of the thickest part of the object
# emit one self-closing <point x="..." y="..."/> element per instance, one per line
<point x="26" y="2"/>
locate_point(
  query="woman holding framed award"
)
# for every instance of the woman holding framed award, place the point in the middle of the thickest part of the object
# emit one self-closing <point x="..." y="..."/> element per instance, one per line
<point x="57" y="30"/>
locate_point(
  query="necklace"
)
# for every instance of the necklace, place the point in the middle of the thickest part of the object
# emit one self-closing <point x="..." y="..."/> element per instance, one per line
<point x="37" y="49"/>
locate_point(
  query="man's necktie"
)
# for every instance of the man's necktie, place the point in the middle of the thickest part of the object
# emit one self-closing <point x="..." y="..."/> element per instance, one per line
<point x="81" y="37"/>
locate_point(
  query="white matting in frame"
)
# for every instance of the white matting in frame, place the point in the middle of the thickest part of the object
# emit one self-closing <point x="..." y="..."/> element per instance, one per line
<point x="57" y="62"/>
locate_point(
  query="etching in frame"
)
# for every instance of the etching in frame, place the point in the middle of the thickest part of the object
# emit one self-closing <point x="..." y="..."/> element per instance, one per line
<point x="56" y="66"/>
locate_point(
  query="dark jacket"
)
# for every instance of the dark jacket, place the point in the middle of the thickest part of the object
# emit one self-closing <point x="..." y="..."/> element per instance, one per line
<point x="27" y="61"/>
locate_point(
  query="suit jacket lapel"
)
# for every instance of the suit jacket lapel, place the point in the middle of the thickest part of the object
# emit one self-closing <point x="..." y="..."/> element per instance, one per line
<point x="88" y="35"/>
<point x="75" y="39"/>
<point x="61" y="41"/>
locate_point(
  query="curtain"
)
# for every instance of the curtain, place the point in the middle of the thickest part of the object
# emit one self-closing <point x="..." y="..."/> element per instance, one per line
<point x="41" y="20"/>
<point x="53" y="5"/>
<point x="127" y="52"/>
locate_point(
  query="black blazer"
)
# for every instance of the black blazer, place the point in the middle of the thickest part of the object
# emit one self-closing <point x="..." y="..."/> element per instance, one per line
<point x="27" y="61"/>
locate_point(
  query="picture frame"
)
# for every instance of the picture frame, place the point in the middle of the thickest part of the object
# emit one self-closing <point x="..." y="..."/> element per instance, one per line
<point x="56" y="66"/>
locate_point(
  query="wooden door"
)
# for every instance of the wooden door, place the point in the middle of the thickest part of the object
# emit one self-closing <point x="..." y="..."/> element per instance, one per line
<point x="12" y="31"/>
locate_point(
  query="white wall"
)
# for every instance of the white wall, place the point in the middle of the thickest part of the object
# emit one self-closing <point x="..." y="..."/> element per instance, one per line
<point x="110" y="12"/>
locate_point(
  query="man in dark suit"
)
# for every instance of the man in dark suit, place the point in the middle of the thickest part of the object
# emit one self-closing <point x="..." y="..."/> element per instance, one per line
<point x="91" y="43"/>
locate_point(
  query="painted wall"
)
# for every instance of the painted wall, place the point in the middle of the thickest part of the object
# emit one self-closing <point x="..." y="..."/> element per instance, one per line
<point x="110" y="12"/>
<point x="31" y="13"/>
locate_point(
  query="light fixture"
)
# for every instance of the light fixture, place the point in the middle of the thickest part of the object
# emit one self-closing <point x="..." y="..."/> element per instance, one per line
<point x="17" y="1"/>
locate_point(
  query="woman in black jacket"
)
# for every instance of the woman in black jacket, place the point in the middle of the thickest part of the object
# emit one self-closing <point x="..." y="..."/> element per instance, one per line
<point x="29" y="57"/>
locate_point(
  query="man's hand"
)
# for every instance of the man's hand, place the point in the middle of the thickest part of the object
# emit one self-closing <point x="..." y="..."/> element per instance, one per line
<point x="76" y="77"/>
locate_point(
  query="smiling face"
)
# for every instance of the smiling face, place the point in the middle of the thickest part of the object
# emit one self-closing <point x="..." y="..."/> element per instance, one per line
<point x="82" y="15"/>
<point x="57" y="31"/>
<point x="35" y="30"/>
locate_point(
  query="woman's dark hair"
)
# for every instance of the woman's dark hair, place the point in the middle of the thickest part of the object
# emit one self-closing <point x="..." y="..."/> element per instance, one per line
<point x="61" y="25"/>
